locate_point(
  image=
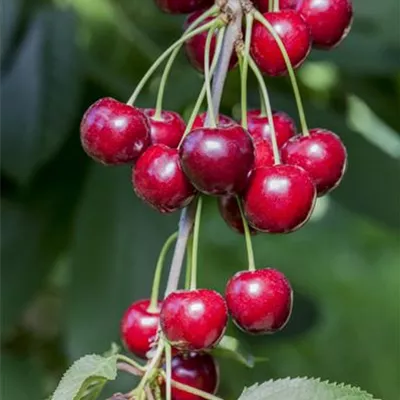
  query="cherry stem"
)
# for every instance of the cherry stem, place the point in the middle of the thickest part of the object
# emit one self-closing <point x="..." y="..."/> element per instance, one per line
<point x="168" y="369"/>
<point x="259" y="17"/>
<point x="153" y="307"/>
<point x="275" y="5"/>
<point x="131" y="362"/>
<point x="264" y="91"/>
<point x="168" y="66"/>
<point x="192" y="390"/>
<point x="189" y="251"/>
<point x="196" y="231"/>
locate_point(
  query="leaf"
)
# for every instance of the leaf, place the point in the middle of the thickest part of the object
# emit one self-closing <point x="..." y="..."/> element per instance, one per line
<point x="89" y="370"/>
<point x="303" y="389"/>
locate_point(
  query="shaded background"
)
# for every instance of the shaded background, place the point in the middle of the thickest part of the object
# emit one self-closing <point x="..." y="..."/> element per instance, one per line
<point x="78" y="246"/>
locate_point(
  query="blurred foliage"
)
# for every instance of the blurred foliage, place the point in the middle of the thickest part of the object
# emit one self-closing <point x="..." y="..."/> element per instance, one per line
<point x="78" y="247"/>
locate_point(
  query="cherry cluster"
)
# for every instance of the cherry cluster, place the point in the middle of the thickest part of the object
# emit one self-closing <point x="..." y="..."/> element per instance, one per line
<point x="265" y="175"/>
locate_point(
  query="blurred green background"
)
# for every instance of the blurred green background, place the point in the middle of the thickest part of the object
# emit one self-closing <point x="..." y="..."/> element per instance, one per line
<point x="78" y="246"/>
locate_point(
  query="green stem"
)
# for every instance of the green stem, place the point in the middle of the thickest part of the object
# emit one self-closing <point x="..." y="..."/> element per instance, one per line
<point x="168" y="370"/>
<point x="267" y="103"/>
<point x="247" y="236"/>
<point x="196" y="231"/>
<point x="189" y="251"/>
<point x="129" y="361"/>
<point x="259" y="17"/>
<point x="263" y="110"/>
<point x="153" y="307"/>
<point x="192" y="390"/>
<point x="275" y="5"/>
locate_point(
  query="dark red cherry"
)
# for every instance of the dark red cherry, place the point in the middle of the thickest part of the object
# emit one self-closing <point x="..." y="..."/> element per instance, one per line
<point x="329" y="20"/>
<point x="263" y="5"/>
<point x="259" y="301"/>
<point x="264" y="154"/>
<point x="195" y="46"/>
<point x="223" y="121"/>
<point x="229" y="210"/>
<point x="114" y="133"/>
<point x="168" y="129"/>
<point x="218" y="160"/>
<point x="259" y="127"/>
<point x="183" y="6"/>
<point x="279" y="199"/>
<point x="197" y="370"/>
<point x="322" y="155"/>
<point x="139" y="327"/>
<point x="294" y="34"/>
<point x="194" y="319"/>
<point x="158" y="179"/>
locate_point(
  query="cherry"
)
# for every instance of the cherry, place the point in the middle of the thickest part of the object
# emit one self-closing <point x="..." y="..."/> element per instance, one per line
<point x="114" y="133"/>
<point x="295" y="36"/>
<point x="263" y="154"/>
<point x="263" y="5"/>
<point x="159" y="180"/>
<point x="322" y="155"/>
<point x="195" y="46"/>
<point x="168" y="129"/>
<point x="183" y="6"/>
<point x="229" y="210"/>
<point x="218" y="160"/>
<point x="193" y="319"/>
<point x="329" y="20"/>
<point x="223" y="121"/>
<point x="197" y="370"/>
<point x="139" y="327"/>
<point x="279" y="199"/>
<point x="259" y="127"/>
<point x="259" y="301"/>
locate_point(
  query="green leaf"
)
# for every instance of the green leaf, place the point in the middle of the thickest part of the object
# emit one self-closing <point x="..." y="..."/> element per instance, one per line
<point x="303" y="389"/>
<point x="88" y="373"/>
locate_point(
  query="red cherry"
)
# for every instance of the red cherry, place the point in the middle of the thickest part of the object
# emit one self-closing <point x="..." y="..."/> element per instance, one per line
<point x="218" y="160"/>
<point x="195" y="46"/>
<point x="159" y="180"/>
<point x="322" y="155"/>
<point x="294" y="34"/>
<point x="183" y="6"/>
<point x="259" y="127"/>
<point x="264" y="154"/>
<point x="230" y="212"/>
<point x="263" y="5"/>
<point x="223" y="121"/>
<point x="114" y="133"/>
<point x="259" y="301"/>
<point x="194" y="319"/>
<point x="279" y="199"/>
<point x="197" y="370"/>
<point x="329" y="20"/>
<point x="168" y="129"/>
<point x="139" y="327"/>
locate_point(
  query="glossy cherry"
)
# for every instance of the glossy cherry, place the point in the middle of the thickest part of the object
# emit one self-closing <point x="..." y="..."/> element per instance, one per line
<point x="263" y="5"/>
<point x="197" y="370"/>
<point x="218" y="160"/>
<point x="295" y="36"/>
<point x="259" y="301"/>
<point x="183" y="6"/>
<point x="279" y="199"/>
<point x="195" y="46"/>
<point x="158" y="179"/>
<point x="322" y="155"/>
<point x="139" y="327"/>
<point x="329" y="20"/>
<point x="114" y="133"/>
<point x="168" y="129"/>
<point x="259" y="127"/>
<point x="194" y="319"/>
<point x="229" y="210"/>
<point x="263" y="154"/>
<point x="223" y="121"/>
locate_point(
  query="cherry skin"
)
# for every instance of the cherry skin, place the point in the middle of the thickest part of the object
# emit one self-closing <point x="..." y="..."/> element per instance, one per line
<point x="263" y="5"/>
<point x="259" y="127"/>
<point x="329" y="20"/>
<point x="158" y="179"/>
<point x="218" y="160"/>
<point x="183" y="6"/>
<point x="279" y="199"/>
<point x="168" y="129"/>
<point x="193" y="319"/>
<point x="322" y="155"/>
<point x="295" y="36"/>
<point x="114" y="133"/>
<point x="139" y="327"/>
<point x="197" y="370"/>
<point x="259" y="301"/>
<point x="195" y="46"/>
<point x="223" y="121"/>
<point x="229" y="210"/>
<point x="263" y="154"/>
